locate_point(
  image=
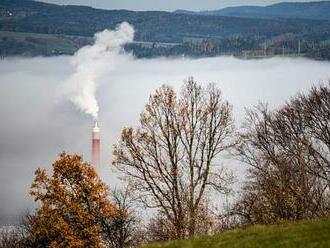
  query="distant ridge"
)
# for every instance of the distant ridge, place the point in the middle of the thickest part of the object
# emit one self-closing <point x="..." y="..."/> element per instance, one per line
<point x="33" y="28"/>
<point x="307" y="10"/>
<point x="151" y="26"/>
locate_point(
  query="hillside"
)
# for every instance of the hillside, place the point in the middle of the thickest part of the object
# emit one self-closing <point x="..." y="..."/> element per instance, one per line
<point x="154" y="26"/>
<point x="34" y="44"/>
<point x="157" y="33"/>
<point x="307" y="10"/>
<point x="310" y="233"/>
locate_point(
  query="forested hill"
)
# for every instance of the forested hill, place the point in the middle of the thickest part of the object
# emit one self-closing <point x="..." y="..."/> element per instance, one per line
<point x="37" y="17"/>
<point x="32" y="28"/>
<point x="308" y="10"/>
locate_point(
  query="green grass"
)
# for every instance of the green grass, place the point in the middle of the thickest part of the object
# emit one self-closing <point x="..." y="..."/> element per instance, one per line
<point x="308" y="233"/>
<point x="12" y="43"/>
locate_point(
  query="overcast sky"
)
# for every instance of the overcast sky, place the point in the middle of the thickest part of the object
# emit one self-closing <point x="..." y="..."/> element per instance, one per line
<point x="168" y="5"/>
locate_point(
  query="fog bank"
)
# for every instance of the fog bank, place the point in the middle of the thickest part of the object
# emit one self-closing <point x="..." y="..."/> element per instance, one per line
<point x="38" y="122"/>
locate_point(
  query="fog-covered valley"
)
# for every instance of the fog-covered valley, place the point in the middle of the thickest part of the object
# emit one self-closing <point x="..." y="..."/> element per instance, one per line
<point x="38" y="121"/>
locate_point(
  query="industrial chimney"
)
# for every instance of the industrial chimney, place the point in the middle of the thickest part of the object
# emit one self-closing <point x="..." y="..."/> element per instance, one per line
<point x="96" y="146"/>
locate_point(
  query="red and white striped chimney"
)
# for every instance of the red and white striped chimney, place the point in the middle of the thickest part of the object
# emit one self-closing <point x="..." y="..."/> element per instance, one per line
<point x="96" y="146"/>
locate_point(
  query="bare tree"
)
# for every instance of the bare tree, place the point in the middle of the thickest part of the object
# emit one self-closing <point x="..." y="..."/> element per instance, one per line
<point x="10" y="238"/>
<point x="313" y="111"/>
<point x="288" y="151"/>
<point x="170" y="157"/>
<point x="224" y="218"/>
<point x="159" y="228"/>
<point x="123" y="230"/>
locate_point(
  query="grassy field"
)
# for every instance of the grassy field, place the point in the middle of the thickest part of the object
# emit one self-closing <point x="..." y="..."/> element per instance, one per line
<point x="33" y="44"/>
<point x="311" y="233"/>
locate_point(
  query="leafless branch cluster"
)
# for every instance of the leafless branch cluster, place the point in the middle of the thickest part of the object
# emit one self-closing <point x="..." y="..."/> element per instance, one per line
<point x="123" y="230"/>
<point x="289" y="154"/>
<point x="10" y="238"/>
<point x="169" y="159"/>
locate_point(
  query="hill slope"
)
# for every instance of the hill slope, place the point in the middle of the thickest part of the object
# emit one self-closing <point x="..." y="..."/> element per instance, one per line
<point x="311" y="233"/>
<point x="36" y="17"/>
<point x="70" y="27"/>
<point x="308" y="10"/>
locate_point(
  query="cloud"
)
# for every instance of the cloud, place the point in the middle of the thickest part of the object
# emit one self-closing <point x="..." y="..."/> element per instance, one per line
<point x="37" y="122"/>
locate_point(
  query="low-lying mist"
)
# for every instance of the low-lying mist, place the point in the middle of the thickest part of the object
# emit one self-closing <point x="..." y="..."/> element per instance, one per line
<point x="37" y="122"/>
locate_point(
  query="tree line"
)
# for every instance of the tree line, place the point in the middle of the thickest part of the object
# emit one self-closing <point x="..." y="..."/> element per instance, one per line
<point x="312" y="45"/>
<point x="247" y="46"/>
<point x="173" y="163"/>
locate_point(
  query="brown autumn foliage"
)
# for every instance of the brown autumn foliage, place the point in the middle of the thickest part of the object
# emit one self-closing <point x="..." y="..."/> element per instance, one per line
<point x="289" y="154"/>
<point x="170" y="158"/>
<point x="74" y="203"/>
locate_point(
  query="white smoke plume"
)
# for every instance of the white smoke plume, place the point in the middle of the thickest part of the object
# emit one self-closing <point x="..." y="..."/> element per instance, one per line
<point x="91" y="63"/>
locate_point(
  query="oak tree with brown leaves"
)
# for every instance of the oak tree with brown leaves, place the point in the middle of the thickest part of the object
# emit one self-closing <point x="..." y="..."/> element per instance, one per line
<point x="74" y="204"/>
<point x="170" y="159"/>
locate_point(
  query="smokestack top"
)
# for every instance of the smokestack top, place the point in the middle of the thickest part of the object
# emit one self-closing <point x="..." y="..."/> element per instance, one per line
<point x="96" y="128"/>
